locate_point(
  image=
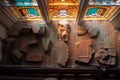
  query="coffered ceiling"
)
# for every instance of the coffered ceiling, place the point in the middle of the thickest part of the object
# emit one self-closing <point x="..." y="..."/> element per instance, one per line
<point x="63" y="9"/>
<point x="57" y="9"/>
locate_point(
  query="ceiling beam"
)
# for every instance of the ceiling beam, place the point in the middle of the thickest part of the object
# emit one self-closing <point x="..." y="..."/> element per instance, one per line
<point x="6" y="12"/>
<point x="42" y="4"/>
<point x="81" y="11"/>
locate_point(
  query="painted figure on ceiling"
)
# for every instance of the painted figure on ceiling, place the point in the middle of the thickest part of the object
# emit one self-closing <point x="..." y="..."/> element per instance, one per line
<point x="62" y="13"/>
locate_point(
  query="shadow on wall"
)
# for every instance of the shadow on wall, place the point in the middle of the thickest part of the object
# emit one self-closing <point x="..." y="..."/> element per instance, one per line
<point x="3" y="32"/>
<point x="5" y="20"/>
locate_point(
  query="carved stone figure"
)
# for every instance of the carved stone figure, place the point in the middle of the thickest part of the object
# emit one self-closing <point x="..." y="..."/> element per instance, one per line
<point x="106" y="56"/>
<point x="63" y="32"/>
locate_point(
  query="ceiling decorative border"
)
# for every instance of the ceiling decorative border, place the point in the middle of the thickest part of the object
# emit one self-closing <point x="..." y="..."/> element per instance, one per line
<point x="103" y="13"/>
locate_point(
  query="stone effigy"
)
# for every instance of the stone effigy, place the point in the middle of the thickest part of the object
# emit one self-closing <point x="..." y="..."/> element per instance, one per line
<point x="34" y="57"/>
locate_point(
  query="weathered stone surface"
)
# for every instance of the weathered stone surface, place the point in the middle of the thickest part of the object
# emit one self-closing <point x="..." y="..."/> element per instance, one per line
<point x="11" y="40"/>
<point x="84" y="51"/>
<point x="112" y="52"/>
<point x="15" y="31"/>
<point x="99" y="54"/>
<point x="34" y="55"/>
<point x="17" y="53"/>
<point x="32" y="40"/>
<point x="13" y="34"/>
<point x="111" y="61"/>
<point x="81" y="31"/>
<point x="26" y="31"/>
<point x="47" y="44"/>
<point x="93" y="32"/>
<point x="106" y="56"/>
<point x="38" y="28"/>
<point x="62" y="53"/>
<point x="24" y="49"/>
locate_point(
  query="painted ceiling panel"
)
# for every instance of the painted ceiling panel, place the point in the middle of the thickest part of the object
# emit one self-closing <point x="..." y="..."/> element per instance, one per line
<point x="58" y="10"/>
<point x="63" y="12"/>
<point x="99" y="12"/>
<point x="24" y="9"/>
<point x="92" y="11"/>
<point x="20" y="3"/>
<point x="63" y="9"/>
<point x="104" y="2"/>
<point x="28" y="12"/>
<point x="65" y="2"/>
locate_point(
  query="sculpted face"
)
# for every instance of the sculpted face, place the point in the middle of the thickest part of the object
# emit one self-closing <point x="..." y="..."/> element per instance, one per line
<point x="63" y="13"/>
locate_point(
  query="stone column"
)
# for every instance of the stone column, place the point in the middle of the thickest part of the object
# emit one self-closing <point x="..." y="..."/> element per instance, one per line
<point x="8" y="13"/>
<point x="44" y="10"/>
<point x="81" y="11"/>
